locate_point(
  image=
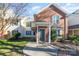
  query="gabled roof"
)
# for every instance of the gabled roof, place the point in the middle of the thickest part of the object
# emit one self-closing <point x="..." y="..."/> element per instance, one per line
<point x="73" y="26"/>
<point x="74" y="13"/>
<point x="43" y="8"/>
<point x="55" y="6"/>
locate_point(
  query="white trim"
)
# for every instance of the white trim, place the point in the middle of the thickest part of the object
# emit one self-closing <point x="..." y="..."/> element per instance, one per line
<point x="37" y="39"/>
<point x="49" y="33"/>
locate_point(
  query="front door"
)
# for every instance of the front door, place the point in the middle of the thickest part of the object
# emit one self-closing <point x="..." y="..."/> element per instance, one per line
<point x="41" y="34"/>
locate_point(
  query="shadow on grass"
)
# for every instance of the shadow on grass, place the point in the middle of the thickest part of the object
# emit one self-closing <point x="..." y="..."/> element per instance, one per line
<point x="21" y="39"/>
<point x="15" y="48"/>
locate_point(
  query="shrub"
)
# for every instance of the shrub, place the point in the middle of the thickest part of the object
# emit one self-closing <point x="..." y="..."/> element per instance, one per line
<point x="53" y="34"/>
<point x="74" y="38"/>
<point x="17" y="35"/>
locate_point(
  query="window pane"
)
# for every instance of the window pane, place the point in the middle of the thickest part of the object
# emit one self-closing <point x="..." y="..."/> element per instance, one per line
<point x="55" y="19"/>
<point x="33" y="33"/>
<point x="59" y="32"/>
<point x="28" y="32"/>
<point x="14" y="31"/>
<point x="76" y="32"/>
<point x="70" y="32"/>
<point x="28" y="24"/>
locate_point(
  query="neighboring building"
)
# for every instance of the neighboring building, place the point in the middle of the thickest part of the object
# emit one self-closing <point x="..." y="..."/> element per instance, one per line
<point x="49" y="16"/>
<point x="73" y="21"/>
<point x="24" y="27"/>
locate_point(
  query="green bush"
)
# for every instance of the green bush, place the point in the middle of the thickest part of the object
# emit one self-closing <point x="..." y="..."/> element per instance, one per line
<point x="74" y="38"/>
<point x="53" y="34"/>
<point x="17" y="35"/>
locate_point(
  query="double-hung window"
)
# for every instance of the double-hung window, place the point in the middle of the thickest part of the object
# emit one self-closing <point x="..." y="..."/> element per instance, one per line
<point x="28" y="32"/>
<point x="14" y="32"/>
<point x="55" y="19"/>
<point x="28" y="24"/>
<point x="58" y="32"/>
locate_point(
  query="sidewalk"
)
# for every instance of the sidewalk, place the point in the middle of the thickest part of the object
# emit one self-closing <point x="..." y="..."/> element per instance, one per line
<point x="31" y="49"/>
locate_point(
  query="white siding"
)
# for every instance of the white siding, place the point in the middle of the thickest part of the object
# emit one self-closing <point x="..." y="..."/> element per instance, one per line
<point x="73" y="19"/>
<point x="21" y="27"/>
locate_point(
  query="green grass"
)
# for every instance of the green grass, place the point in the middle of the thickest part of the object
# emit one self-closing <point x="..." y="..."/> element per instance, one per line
<point x="12" y="48"/>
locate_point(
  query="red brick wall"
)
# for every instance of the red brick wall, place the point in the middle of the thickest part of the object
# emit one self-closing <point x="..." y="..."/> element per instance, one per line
<point x="46" y="16"/>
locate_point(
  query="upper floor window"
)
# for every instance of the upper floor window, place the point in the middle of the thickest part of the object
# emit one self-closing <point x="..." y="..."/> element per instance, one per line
<point x="14" y="32"/>
<point x="28" y="24"/>
<point x="55" y="19"/>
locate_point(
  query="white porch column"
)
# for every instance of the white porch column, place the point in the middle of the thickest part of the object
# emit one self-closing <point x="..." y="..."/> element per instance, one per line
<point x="49" y="33"/>
<point x="37" y="37"/>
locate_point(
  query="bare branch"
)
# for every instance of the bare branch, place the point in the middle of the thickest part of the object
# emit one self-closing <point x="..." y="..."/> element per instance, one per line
<point x="18" y="9"/>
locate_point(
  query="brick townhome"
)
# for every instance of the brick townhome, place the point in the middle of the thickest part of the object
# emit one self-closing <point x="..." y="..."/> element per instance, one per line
<point x="44" y="18"/>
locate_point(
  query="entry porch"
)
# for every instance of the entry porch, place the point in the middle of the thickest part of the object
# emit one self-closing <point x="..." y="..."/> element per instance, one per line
<point x="42" y="31"/>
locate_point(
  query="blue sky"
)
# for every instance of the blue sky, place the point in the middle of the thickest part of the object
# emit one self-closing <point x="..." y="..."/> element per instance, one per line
<point x="70" y="7"/>
<point x="33" y="8"/>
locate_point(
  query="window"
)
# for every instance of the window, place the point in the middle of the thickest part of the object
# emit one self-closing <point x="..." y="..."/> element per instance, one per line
<point x="28" y="32"/>
<point x="70" y="32"/>
<point x="59" y="32"/>
<point x="14" y="31"/>
<point x="76" y="32"/>
<point x="55" y="19"/>
<point x="28" y="24"/>
<point x="33" y="33"/>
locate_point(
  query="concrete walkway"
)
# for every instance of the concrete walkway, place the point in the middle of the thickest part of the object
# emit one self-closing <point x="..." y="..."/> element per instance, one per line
<point x="45" y="49"/>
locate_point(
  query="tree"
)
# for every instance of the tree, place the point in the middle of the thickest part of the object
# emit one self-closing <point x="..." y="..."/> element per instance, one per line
<point x="6" y="18"/>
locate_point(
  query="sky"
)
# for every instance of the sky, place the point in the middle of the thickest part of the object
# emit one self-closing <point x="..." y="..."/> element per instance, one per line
<point x="70" y="7"/>
<point x="33" y="8"/>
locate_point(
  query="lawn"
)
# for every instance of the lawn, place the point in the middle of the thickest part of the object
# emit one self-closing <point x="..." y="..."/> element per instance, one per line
<point x="12" y="48"/>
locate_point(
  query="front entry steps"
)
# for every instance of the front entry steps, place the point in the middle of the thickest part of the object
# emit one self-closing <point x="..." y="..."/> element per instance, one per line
<point x="43" y="44"/>
<point x="43" y="49"/>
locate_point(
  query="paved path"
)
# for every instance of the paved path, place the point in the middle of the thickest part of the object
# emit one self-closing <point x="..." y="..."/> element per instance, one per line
<point x="32" y="49"/>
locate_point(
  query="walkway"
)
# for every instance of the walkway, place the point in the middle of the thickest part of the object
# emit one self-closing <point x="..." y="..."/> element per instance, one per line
<point x="32" y="49"/>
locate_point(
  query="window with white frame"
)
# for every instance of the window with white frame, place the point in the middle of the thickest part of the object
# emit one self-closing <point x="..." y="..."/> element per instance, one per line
<point x="55" y="19"/>
<point x="59" y="32"/>
<point x="28" y="24"/>
<point x="14" y="31"/>
<point x="28" y="32"/>
<point x="34" y="33"/>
